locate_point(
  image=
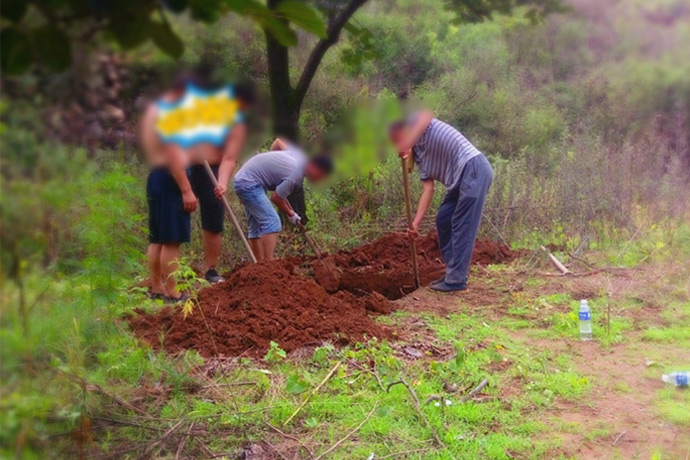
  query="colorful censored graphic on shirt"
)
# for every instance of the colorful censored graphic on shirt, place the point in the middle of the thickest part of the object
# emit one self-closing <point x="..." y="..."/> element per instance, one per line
<point x="199" y="116"/>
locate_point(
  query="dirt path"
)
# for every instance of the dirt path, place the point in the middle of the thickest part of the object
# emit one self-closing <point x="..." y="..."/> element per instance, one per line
<point x="622" y="402"/>
<point x="620" y="416"/>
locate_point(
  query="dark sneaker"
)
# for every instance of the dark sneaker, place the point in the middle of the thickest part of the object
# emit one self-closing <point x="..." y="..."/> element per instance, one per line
<point x="155" y="295"/>
<point x="440" y="280"/>
<point x="181" y="298"/>
<point x="213" y="277"/>
<point x="445" y="287"/>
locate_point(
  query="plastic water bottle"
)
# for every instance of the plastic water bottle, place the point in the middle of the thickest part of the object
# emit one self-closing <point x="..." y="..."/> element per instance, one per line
<point x="679" y="379"/>
<point x="585" y="321"/>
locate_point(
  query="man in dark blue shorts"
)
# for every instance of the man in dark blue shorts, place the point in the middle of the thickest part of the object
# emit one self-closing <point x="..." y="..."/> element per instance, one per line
<point x="170" y="199"/>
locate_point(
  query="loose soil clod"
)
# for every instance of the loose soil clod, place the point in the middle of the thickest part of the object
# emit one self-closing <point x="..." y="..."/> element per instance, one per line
<point x="277" y="302"/>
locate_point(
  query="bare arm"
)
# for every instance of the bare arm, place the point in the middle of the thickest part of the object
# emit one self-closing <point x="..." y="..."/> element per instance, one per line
<point x="177" y="163"/>
<point x="422" y="207"/>
<point x="148" y="138"/>
<point x="279" y="144"/>
<point x="282" y="204"/>
<point x="420" y="125"/>
<point x="173" y="156"/>
<point x="231" y="152"/>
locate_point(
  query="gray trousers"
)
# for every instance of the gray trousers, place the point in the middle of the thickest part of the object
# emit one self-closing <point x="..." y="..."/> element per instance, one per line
<point x="459" y="217"/>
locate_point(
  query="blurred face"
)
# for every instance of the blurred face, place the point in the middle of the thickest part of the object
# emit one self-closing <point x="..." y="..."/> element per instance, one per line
<point x="314" y="174"/>
<point x="396" y="134"/>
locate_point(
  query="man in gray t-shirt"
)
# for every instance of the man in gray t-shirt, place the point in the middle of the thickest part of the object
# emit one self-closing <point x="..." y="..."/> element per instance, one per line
<point x="444" y="155"/>
<point x="281" y="171"/>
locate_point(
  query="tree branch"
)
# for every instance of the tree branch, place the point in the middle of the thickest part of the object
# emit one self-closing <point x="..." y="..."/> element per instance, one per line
<point x="319" y="51"/>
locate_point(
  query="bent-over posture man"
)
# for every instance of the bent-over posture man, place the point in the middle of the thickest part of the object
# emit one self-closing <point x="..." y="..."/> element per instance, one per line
<point x="282" y="170"/>
<point x="170" y="199"/>
<point x="443" y="154"/>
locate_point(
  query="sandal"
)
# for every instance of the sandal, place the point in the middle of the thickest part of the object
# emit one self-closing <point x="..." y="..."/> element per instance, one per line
<point x="181" y="298"/>
<point x="155" y="295"/>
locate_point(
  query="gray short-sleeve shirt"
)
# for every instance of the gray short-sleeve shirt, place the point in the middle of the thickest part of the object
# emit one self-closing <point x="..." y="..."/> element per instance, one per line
<point x="281" y="170"/>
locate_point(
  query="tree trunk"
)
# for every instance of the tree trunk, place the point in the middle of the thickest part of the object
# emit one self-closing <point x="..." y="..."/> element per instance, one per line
<point x="287" y="100"/>
<point x="284" y="105"/>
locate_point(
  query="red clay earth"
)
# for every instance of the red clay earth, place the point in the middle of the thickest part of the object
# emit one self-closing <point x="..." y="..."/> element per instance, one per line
<point x="281" y="302"/>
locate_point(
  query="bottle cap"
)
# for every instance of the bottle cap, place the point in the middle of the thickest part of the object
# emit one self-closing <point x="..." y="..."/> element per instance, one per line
<point x="665" y="378"/>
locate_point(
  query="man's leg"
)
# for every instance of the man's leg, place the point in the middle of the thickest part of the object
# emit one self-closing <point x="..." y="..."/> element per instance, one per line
<point x="443" y="224"/>
<point x="474" y="187"/>
<point x="257" y="248"/>
<point x="211" y="248"/>
<point x="170" y="255"/>
<point x="154" y="257"/>
<point x="269" y="241"/>
<point x="212" y="218"/>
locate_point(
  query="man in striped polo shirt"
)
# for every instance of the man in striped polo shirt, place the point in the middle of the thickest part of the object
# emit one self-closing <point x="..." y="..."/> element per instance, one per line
<point x="443" y="154"/>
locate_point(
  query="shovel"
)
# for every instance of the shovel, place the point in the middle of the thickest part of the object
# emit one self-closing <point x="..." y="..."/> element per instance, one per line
<point x="407" y="165"/>
<point x="325" y="271"/>
<point x="230" y="215"/>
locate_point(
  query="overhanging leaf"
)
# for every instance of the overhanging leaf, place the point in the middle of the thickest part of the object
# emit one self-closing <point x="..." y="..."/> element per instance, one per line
<point x="278" y="29"/>
<point x="251" y="7"/>
<point x="166" y="40"/>
<point x="52" y="47"/>
<point x="176" y="6"/>
<point x="13" y="9"/>
<point x="16" y="55"/>
<point x="130" y="32"/>
<point x="303" y="16"/>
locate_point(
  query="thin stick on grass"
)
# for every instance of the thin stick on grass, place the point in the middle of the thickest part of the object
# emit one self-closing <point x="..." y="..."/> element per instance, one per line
<point x="618" y="438"/>
<point x="297" y="440"/>
<point x="557" y="263"/>
<point x="183" y="441"/>
<point x="345" y="438"/>
<point x="474" y="391"/>
<point x="313" y="392"/>
<point x="404" y="452"/>
<point x="92" y="387"/>
<point x="417" y="408"/>
<point x="273" y="448"/>
<point x="208" y="328"/>
<point x="152" y="446"/>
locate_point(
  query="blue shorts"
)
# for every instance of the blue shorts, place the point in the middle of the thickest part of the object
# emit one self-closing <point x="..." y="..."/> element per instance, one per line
<point x="168" y="222"/>
<point x="262" y="218"/>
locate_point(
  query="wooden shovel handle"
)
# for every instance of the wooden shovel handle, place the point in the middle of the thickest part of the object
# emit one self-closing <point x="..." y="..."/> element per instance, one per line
<point x="408" y="210"/>
<point x="230" y="214"/>
<point x="311" y="242"/>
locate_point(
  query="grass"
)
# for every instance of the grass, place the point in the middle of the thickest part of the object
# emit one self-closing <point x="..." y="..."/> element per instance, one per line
<point x="516" y="346"/>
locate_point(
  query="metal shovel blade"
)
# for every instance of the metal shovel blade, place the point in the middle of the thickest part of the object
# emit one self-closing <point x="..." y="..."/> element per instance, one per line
<point x="326" y="273"/>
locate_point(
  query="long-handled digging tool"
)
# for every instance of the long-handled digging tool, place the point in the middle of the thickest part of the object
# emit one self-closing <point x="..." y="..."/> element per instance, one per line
<point x="407" y="164"/>
<point x="230" y="215"/>
<point x="325" y="271"/>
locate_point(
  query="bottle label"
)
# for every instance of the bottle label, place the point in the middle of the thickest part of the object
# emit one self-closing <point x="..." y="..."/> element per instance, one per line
<point x="584" y="316"/>
<point x="682" y="380"/>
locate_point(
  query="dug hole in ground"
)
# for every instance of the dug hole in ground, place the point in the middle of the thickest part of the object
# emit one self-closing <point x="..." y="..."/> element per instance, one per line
<point x="281" y="301"/>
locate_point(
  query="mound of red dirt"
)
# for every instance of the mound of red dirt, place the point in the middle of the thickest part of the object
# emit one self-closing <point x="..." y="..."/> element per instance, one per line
<point x="279" y="302"/>
<point x="259" y="304"/>
<point x="384" y="265"/>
